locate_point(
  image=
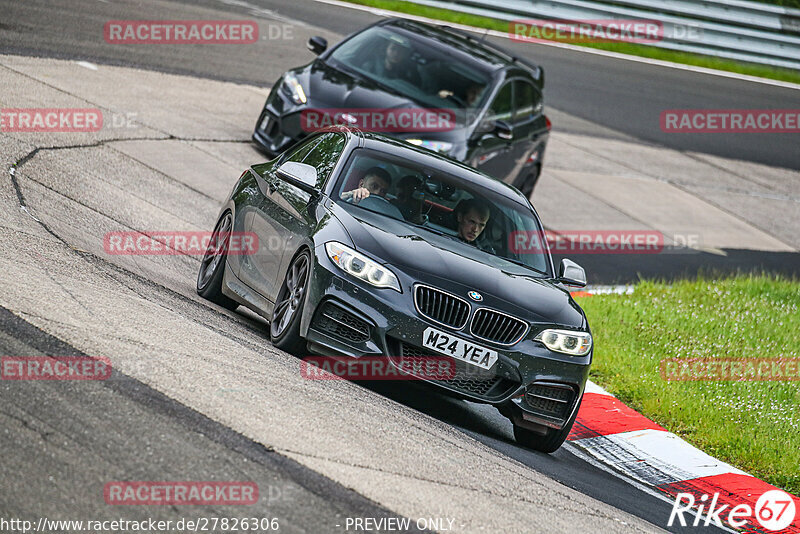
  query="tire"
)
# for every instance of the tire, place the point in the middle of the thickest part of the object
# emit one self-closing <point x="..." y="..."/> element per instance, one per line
<point x="284" y="328"/>
<point x="530" y="181"/>
<point x="212" y="267"/>
<point x="549" y="442"/>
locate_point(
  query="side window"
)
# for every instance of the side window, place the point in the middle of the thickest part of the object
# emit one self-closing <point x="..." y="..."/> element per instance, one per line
<point x="500" y="110"/>
<point x="324" y="154"/>
<point x="524" y="104"/>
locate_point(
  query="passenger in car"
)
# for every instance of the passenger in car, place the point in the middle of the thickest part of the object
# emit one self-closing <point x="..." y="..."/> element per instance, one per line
<point x="376" y="181"/>
<point x="472" y="216"/>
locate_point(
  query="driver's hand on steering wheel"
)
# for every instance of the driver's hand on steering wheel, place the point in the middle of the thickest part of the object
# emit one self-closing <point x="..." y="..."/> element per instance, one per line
<point x="357" y="195"/>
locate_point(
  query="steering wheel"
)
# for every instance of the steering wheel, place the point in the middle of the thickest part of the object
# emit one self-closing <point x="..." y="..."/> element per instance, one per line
<point x="381" y="205"/>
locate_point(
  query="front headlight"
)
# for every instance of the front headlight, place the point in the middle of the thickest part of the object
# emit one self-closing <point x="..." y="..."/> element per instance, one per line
<point x="292" y="88"/>
<point x="566" y="341"/>
<point x="361" y="267"/>
<point x="443" y="147"/>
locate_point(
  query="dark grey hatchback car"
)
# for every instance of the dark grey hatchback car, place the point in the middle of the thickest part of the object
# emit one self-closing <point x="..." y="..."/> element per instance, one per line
<point x="371" y="247"/>
<point x="496" y="98"/>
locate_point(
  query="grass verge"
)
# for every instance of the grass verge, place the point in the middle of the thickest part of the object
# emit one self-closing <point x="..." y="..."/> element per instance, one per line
<point x="752" y="425"/>
<point x="697" y="60"/>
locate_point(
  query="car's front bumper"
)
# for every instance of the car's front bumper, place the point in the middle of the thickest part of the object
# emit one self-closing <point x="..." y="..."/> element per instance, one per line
<point x="278" y="126"/>
<point x="516" y="384"/>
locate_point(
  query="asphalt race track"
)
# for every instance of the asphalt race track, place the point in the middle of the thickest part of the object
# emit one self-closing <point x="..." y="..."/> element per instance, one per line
<point x="198" y="393"/>
<point x="599" y="93"/>
<point x="608" y="107"/>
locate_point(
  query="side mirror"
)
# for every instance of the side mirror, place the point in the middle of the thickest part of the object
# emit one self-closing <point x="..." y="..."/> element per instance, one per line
<point x="503" y="130"/>
<point x="317" y="44"/>
<point x="571" y="274"/>
<point x="300" y="175"/>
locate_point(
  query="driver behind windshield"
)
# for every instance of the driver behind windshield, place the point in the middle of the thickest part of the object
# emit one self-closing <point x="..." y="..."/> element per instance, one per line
<point x="395" y="62"/>
<point x="376" y="181"/>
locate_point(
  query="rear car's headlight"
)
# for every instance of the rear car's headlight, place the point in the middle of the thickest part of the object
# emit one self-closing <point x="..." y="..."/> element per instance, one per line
<point x="292" y="88"/>
<point x="443" y="147"/>
<point x="361" y="267"/>
<point x="566" y="341"/>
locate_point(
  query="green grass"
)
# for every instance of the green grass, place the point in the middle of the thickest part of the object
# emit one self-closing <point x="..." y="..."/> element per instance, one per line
<point x="446" y="15"/>
<point x="795" y="4"/>
<point x="754" y="426"/>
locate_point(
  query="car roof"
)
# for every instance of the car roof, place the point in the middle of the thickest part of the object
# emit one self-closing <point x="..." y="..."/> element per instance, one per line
<point x="429" y="158"/>
<point x="489" y="55"/>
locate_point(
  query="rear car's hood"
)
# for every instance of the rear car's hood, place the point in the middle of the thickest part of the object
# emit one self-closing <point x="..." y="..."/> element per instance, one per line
<point x="458" y="267"/>
<point x="332" y="88"/>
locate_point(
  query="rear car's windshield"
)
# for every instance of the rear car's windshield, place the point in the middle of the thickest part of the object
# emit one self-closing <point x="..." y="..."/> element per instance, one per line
<point x="411" y="66"/>
<point x="444" y="205"/>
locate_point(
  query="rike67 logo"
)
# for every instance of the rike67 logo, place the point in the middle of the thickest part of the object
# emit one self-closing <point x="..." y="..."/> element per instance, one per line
<point x="775" y="510"/>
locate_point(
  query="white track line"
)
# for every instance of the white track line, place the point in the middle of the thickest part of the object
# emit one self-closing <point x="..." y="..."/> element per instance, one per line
<point x="655" y="457"/>
<point x="574" y="449"/>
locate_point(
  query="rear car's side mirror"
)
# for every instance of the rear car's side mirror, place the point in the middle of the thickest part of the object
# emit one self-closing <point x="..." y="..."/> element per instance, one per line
<point x="317" y="44"/>
<point x="301" y="175"/>
<point x="503" y="130"/>
<point x="571" y="274"/>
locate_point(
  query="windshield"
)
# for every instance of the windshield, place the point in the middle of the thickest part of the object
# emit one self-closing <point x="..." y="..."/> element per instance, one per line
<point x="444" y="205"/>
<point x="411" y="66"/>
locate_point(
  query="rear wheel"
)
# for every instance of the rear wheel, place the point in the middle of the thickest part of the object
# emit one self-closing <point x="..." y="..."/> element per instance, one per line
<point x="212" y="267"/>
<point x="284" y="329"/>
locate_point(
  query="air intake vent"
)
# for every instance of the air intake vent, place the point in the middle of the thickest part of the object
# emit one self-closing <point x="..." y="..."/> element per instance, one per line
<point x="341" y="323"/>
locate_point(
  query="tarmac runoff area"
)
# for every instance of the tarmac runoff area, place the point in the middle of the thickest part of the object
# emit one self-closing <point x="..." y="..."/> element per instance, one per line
<point x="169" y="151"/>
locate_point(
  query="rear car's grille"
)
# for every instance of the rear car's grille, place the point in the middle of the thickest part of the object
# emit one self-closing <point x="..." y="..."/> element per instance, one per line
<point x="468" y="378"/>
<point x="550" y="400"/>
<point x="441" y="307"/>
<point x="335" y="320"/>
<point x="497" y="327"/>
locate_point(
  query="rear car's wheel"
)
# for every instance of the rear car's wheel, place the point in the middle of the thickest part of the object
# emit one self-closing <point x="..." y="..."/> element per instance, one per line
<point x="530" y="181"/>
<point x="548" y="442"/>
<point x="284" y="329"/>
<point x="212" y="267"/>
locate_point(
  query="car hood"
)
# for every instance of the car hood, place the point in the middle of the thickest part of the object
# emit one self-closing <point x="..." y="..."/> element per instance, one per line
<point x="332" y="88"/>
<point x="458" y="268"/>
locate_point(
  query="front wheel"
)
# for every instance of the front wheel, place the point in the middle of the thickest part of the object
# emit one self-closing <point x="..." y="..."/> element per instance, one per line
<point x="547" y="442"/>
<point x="530" y="181"/>
<point x="284" y="329"/>
<point x="212" y="267"/>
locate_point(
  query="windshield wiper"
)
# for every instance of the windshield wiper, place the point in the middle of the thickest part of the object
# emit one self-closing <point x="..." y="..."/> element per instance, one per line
<point x="522" y="264"/>
<point x="364" y="77"/>
<point x="428" y="228"/>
